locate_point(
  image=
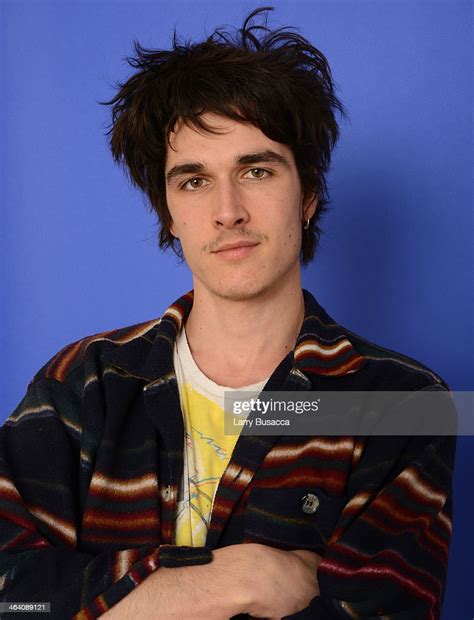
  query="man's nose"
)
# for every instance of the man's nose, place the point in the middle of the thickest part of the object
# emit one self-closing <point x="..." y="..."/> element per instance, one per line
<point x="229" y="210"/>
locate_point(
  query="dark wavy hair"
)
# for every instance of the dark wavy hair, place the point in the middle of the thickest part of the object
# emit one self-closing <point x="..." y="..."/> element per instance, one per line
<point x="275" y="80"/>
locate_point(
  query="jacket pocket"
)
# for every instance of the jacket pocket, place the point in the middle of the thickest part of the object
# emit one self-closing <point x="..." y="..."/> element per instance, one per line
<point x="302" y="518"/>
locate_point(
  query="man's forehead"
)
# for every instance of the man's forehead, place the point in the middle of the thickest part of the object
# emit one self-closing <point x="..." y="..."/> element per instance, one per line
<point x="185" y="131"/>
<point x="238" y="137"/>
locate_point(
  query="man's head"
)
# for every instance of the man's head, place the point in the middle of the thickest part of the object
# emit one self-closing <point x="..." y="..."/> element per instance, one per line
<point x="274" y="80"/>
<point x="236" y="205"/>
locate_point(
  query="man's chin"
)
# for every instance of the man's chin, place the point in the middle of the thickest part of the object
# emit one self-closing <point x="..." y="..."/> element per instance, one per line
<point x="240" y="291"/>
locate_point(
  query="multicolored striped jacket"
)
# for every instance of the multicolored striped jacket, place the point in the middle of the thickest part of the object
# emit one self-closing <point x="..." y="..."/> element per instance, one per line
<point x="91" y="461"/>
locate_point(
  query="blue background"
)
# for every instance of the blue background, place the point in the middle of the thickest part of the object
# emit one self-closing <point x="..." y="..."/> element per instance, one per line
<point x="396" y="259"/>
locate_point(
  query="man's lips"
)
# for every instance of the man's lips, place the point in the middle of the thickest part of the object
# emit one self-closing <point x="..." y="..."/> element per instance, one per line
<point x="236" y="244"/>
<point x="235" y="250"/>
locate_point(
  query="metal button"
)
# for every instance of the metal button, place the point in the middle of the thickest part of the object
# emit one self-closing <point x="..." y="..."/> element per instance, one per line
<point x="309" y="503"/>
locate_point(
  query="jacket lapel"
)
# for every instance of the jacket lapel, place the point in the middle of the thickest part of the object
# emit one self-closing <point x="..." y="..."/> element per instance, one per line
<point x="161" y="396"/>
<point x="249" y="452"/>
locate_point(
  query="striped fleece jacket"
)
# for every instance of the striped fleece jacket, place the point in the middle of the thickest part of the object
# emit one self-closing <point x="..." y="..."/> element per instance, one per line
<point x="92" y="458"/>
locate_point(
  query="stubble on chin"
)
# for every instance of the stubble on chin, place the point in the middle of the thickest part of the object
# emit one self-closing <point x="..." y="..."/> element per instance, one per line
<point x="248" y="290"/>
<point x="239" y="293"/>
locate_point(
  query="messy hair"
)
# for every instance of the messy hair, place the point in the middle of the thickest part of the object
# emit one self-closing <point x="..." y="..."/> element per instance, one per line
<point x="273" y="79"/>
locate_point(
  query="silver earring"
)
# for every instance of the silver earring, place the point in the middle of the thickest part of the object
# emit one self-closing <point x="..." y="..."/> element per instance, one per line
<point x="306" y="226"/>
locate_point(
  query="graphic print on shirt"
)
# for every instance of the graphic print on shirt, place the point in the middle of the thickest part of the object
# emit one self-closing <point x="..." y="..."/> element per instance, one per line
<point x="206" y="456"/>
<point x="207" y="449"/>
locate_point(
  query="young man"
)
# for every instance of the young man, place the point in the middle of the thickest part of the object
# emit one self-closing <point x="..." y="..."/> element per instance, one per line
<point x="121" y="494"/>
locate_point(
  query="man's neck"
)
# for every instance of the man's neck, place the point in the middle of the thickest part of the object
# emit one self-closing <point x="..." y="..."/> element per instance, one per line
<point x="237" y="343"/>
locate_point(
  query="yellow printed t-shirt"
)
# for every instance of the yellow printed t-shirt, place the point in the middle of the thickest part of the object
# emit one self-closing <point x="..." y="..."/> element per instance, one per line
<point x="207" y="450"/>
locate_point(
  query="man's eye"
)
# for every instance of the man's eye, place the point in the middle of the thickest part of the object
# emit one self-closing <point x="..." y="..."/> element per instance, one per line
<point x="194" y="183"/>
<point x="258" y="173"/>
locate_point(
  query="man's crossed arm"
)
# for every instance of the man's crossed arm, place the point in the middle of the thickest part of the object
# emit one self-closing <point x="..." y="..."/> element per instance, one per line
<point x="246" y="578"/>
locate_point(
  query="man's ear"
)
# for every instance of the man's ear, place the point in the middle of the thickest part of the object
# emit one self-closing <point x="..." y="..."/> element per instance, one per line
<point x="309" y="206"/>
<point x="172" y="230"/>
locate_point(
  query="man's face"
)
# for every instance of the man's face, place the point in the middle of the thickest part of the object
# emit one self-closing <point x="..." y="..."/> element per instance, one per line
<point x="236" y="205"/>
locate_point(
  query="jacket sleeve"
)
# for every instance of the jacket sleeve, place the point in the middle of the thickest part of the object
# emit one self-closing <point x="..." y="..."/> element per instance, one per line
<point x="41" y="559"/>
<point x="388" y="555"/>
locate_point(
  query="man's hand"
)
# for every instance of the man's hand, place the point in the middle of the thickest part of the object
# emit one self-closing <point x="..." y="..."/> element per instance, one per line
<point x="278" y="583"/>
<point x="246" y="578"/>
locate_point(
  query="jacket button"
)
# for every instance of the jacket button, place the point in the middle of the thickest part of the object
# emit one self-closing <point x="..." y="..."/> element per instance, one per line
<point x="309" y="503"/>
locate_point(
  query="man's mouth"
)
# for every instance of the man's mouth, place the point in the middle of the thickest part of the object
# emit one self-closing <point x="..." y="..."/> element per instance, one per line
<point x="236" y="244"/>
<point x="235" y="250"/>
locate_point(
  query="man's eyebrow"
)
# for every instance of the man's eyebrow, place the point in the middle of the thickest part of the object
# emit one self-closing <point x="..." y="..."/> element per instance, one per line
<point x="193" y="167"/>
<point x="258" y="157"/>
<point x="267" y="156"/>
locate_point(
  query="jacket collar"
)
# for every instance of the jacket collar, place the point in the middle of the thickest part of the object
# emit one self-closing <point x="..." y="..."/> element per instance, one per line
<point x="322" y="346"/>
